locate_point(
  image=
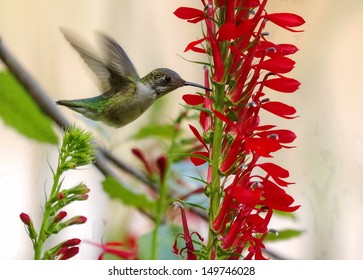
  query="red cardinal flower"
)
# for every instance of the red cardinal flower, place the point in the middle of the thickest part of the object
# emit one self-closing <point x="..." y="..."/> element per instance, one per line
<point x="243" y="183"/>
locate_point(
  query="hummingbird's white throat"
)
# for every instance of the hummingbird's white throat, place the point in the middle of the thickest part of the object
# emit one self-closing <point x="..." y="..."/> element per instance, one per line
<point x="145" y="93"/>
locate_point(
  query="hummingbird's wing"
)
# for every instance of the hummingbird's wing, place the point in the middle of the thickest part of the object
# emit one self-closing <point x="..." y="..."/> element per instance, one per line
<point x="116" y="58"/>
<point x="111" y="79"/>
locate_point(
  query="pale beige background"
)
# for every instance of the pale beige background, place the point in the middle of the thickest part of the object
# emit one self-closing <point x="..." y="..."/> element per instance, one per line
<point x="326" y="166"/>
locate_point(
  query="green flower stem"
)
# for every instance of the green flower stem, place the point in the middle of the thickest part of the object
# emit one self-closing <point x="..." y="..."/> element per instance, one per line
<point x="162" y="201"/>
<point x="159" y="214"/>
<point x="215" y="188"/>
<point x="38" y="245"/>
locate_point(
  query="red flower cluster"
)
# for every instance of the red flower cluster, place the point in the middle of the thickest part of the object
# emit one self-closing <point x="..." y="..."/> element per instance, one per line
<point x="244" y="64"/>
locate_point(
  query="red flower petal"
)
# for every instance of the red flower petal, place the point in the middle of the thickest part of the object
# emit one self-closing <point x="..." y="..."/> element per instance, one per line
<point x="277" y="65"/>
<point x="283" y="135"/>
<point x="283" y="84"/>
<point x="190" y="14"/>
<point x="244" y="30"/>
<point x="247" y="197"/>
<point x="192" y="46"/>
<point x="280" y="109"/>
<point x="218" y="61"/>
<point x="230" y="10"/>
<point x="198" y="136"/>
<point x="232" y="155"/>
<point x="224" y="118"/>
<point x="286" y="49"/>
<point x="264" y="146"/>
<point x="265" y="48"/>
<point x="220" y="222"/>
<point x="274" y="170"/>
<point x="193" y="99"/>
<point x="257" y="223"/>
<point x="199" y="158"/>
<point x="227" y="32"/>
<point x="186" y="234"/>
<point x="277" y="198"/>
<point x="286" y="20"/>
<point x="141" y="156"/>
<point x="251" y="3"/>
<point x="220" y="3"/>
<point x="265" y="127"/>
<point x="261" y="48"/>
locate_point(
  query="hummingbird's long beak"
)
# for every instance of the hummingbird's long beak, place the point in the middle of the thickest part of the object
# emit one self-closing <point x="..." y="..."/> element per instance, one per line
<point x="196" y="85"/>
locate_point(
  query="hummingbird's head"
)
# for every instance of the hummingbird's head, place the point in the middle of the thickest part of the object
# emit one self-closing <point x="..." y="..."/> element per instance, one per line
<point x="164" y="80"/>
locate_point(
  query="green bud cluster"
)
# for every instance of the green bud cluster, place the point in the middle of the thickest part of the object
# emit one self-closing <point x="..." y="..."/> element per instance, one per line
<point x="77" y="149"/>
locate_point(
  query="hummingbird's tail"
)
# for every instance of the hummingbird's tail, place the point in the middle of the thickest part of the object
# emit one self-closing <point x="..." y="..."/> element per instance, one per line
<point x="80" y="106"/>
<point x="67" y="103"/>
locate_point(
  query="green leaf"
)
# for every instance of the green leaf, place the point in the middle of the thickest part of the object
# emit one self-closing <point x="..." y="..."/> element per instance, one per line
<point x="18" y="110"/>
<point x="155" y="130"/>
<point x="288" y="215"/>
<point x="284" y="235"/>
<point x="128" y="197"/>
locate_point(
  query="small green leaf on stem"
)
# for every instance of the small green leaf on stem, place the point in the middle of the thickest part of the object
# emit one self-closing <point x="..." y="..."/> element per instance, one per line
<point x="128" y="197"/>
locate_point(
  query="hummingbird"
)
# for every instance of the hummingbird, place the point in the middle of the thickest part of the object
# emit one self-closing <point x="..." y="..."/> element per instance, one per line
<point x="125" y="96"/>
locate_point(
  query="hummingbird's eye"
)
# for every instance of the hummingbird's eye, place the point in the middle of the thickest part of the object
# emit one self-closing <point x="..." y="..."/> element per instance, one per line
<point x="167" y="78"/>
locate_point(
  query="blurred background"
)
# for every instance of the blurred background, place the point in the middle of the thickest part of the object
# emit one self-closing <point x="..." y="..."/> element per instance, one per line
<point x="326" y="166"/>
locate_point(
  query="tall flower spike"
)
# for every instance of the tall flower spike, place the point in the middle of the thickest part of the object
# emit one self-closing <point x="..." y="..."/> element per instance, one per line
<point x="243" y="184"/>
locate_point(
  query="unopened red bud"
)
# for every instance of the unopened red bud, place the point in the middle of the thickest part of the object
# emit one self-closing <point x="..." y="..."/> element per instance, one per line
<point x="25" y="219"/>
<point x="161" y="162"/>
<point x="141" y="156"/>
<point x="79" y="197"/>
<point x="71" y="252"/>
<point x="71" y="242"/>
<point x="60" y="216"/>
<point x="61" y="251"/>
<point x="78" y="220"/>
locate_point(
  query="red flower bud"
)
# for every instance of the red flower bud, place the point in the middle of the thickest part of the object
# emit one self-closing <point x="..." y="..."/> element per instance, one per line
<point x="161" y="162"/>
<point x="60" y="216"/>
<point x="25" y="219"/>
<point x="71" y="242"/>
<point x="69" y="253"/>
<point x="141" y="156"/>
<point x="78" y="220"/>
